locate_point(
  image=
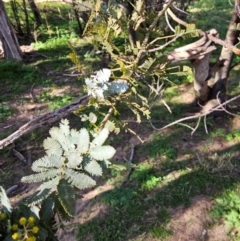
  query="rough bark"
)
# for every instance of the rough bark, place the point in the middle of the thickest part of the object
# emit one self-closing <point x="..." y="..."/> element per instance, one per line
<point x="35" y="12"/>
<point x="8" y="37"/>
<point x="226" y="57"/>
<point x="16" y="17"/>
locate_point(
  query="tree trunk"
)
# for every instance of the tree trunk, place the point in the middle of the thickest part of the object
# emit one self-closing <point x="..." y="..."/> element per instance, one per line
<point x="220" y="82"/>
<point x="35" y="12"/>
<point x="18" y="27"/>
<point x="8" y="37"/>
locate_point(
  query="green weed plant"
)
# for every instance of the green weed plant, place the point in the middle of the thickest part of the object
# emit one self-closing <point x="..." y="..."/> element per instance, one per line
<point x="227" y="209"/>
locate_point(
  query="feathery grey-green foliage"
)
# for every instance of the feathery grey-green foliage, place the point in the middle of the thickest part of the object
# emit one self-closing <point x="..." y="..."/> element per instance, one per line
<point x="71" y="156"/>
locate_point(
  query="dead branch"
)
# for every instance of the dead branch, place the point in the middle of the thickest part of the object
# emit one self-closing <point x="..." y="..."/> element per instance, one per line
<point x="42" y="120"/>
<point x="218" y="107"/>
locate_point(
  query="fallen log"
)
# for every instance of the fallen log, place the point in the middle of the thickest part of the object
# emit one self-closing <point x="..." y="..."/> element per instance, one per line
<point x="45" y="119"/>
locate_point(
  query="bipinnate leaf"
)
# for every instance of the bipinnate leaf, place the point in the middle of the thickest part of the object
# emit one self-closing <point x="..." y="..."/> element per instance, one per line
<point x="79" y="180"/>
<point x="66" y="196"/>
<point x="100" y="138"/>
<point x="52" y="146"/>
<point x="56" y="134"/>
<point x="39" y="177"/>
<point x="4" y="201"/>
<point x="35" y="209"/>
<point x="46" y="162"/>
<point x="74" y="136"/>
<point x="102" y="153"/>
<point x="64" y="127"/>
<point x="47" y="209"/>
<point x="118" y="87"/>
<point x="83" y="143"/>
<point x="37" y="197"/>
<point x="93" y="168"/>
<point x="43" y="191"/>
<point x="74" y="159"/>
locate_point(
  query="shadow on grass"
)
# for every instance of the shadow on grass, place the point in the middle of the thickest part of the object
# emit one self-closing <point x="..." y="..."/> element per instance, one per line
<point x="139" y="208"/>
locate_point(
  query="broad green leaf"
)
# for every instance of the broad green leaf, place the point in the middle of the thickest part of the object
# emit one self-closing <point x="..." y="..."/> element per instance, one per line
<point x="66" y="196"/>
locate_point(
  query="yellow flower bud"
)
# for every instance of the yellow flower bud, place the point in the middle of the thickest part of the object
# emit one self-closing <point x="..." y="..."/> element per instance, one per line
<point x="31" y="220"/>
<point x="22" y="220"/>
<point x="15" y="236"/>
<point x="35" y="229"/>
<point x="3" y="216"/>
<point x="33" y="238"/>
<point x="15" y="227"/>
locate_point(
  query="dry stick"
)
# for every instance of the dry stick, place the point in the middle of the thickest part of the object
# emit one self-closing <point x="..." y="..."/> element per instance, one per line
<point x="130" y="166"/>
<point x="11" y="189"/>
<point x="165" y="45"/>
<point x="107" y="117"/>
<point x="41" y="120"/>
<point x="198" y="115"/>
<point x="19" y="156"/>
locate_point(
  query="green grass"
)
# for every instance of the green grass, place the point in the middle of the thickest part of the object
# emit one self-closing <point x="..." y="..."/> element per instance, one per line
<point x="227" y="208"/>
<point x="130" y="208"/>
<point x="165" y="174"/>
<point x="160" y="146"/>
<point x="5" y="111"/>
<point x="233" y="135"/>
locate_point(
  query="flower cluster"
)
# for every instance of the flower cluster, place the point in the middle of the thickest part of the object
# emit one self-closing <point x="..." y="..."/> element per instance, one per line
<point x="3" y="216"/>
<point x="26" y="231"/>
<point x="98" y="83"/>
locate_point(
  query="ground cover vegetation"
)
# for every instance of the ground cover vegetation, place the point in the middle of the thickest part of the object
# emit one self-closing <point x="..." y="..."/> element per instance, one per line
<point x="96" y="85"/>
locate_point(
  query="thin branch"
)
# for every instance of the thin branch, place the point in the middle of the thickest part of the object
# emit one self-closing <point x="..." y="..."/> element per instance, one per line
<point x="107" y="117"/>
<point x="160" y="38"/>
<point x="180" y="10"/>
<point x="168" y="23"/>
<point x="199" y="119"/>
<point x="155" y="21"/>
<point x="175" y="18"/>
<point x="151" y="27"/>
<point x="163" y="46"/>
<point x="201" y="114"/>
<point x="224" y="44"/>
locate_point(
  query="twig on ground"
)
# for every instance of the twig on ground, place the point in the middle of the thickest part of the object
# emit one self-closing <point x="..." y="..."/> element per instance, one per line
<point x="32" y="93"/>
<point x="19" y="156"/>
<point x="11" y="189"/>
<point x="129" y="161"/>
